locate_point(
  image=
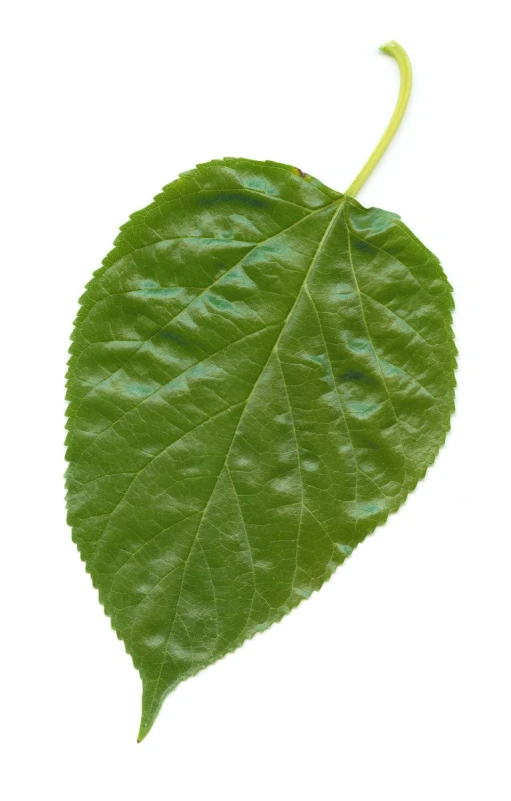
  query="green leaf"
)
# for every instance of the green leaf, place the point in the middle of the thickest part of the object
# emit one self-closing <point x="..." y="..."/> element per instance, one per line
<point x="261" y="372"/>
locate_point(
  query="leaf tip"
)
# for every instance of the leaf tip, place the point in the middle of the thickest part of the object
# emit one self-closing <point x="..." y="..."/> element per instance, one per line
<point x="149" y="715"/>
<point x="151" y="705"/>
<point x="145" y="728"/>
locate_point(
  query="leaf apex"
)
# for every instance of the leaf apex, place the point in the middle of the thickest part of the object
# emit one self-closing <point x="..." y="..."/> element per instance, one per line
<point x="152" y="700"/>
<point x="145" y="728"/>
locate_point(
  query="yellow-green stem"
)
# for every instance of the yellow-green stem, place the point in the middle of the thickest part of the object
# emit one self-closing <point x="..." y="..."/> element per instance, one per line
<point x="405" y="69"/>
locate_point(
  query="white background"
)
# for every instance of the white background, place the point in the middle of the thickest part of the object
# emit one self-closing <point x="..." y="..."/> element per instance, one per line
<point x="393" y="682"/>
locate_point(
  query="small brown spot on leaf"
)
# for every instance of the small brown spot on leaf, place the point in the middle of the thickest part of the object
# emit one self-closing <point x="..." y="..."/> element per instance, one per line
<point x="298" y="171"/>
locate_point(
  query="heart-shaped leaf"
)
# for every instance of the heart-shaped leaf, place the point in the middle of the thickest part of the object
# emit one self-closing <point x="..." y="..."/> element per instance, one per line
<point x="261" y="372"/>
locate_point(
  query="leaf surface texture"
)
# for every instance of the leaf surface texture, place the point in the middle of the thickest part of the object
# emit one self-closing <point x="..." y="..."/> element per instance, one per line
<point x="261" y="371"/>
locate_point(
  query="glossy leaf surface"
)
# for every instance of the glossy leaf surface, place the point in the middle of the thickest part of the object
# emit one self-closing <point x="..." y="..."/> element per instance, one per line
<point x="261" y="372"/>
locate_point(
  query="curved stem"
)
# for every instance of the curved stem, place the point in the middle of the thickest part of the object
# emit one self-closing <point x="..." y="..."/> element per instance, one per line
<point x="405" y="68"/>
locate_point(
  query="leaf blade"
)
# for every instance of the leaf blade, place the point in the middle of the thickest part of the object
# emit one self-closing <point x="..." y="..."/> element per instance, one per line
<point x="267" y="345"/>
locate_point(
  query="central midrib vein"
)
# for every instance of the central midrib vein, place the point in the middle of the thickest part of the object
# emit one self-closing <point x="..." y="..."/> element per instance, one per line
<point x="324" y="238"/>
